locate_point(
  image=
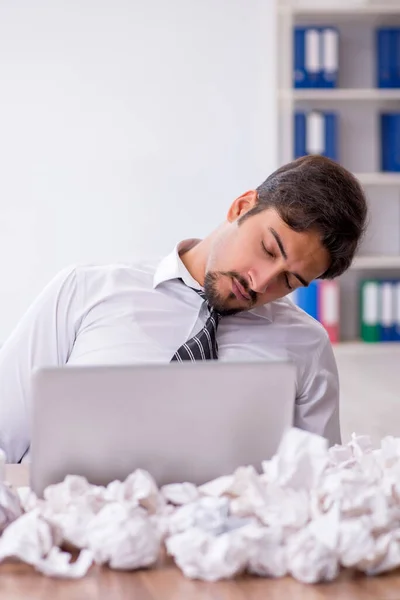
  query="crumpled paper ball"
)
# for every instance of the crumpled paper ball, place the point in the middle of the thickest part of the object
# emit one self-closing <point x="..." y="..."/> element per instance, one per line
<point x="113" y="522"/>
<point x="10" y="505"/>
<point x="123" y="537"/>
<point x="309" y="560"/>
<point x="201" y="554"/>
<point x="110" y="524"/>
<point x="32" y="540"/>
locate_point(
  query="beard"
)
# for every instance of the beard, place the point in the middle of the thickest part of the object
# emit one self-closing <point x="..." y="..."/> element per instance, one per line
<point x="221" y="303"/>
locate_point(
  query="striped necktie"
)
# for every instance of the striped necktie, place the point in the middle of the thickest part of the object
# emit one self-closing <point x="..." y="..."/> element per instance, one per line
<point x="202" y="346"/>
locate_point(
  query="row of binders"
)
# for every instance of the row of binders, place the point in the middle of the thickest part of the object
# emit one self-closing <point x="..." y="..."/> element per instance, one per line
<point x="316" y="57"/>
<point x="379" y="307"/>
<point x="321" y="301"/>
<point x="316" y="132"/>
<point x="380" y="310"/>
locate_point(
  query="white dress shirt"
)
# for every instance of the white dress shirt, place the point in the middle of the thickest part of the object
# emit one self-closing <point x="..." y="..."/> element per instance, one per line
<point x="130" y="313"/>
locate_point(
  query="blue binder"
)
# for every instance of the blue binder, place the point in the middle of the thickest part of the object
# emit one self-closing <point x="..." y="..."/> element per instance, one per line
<point x="329" y="59"/>
<point x="396" y="327"/>
<point x="307" y="299"/>
<point x="385" y="132"/>
<point x="388" y="57"/>
<point x="395" y="148"/>
<point x="299" y="134"/>
<point x="299" y="50"/>
<point x="387" y="327"/>
<point x="395" y="58"/>
<point x="384" y="52"/>
<point x="331" y="137"/>
<point x="390" y="141"/>
<point x="302" y="76"/>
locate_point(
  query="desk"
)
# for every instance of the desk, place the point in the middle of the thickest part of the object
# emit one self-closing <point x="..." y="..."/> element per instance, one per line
<point x="18" y="582"/>
<point x="17" y="475"/>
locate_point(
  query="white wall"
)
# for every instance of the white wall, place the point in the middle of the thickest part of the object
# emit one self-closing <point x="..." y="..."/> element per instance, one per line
<point x="125" y="125"/>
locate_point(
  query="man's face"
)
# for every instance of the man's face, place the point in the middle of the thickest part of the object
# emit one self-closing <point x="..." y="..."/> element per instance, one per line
<point x="259" y="260"/>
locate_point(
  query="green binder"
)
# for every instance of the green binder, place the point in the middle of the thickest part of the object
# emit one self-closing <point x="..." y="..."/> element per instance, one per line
<point x="369" y="310"/>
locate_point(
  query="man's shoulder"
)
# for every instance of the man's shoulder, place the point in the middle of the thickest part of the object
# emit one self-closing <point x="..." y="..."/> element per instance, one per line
<point x="106" y="269"/>
<point x="135" y="271"/>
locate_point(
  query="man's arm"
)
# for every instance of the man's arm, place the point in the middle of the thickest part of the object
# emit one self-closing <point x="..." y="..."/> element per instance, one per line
<point x="317" y="406"/>
<point x="44" y="337"/>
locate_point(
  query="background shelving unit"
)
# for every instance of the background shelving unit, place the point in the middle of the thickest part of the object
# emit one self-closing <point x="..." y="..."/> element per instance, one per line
<point x="358" y="103"/>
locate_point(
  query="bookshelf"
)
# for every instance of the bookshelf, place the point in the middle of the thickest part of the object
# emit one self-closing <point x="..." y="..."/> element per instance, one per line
<point x="357" y="102"/>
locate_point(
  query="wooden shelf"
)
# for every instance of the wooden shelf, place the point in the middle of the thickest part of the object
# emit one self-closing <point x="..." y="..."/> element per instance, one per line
<point x="379" y="178"/>
<point x="342" y="94"/>
<point x="376" y="262"/>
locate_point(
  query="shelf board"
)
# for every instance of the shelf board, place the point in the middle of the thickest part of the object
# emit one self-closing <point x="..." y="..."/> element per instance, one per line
<point x="360" y="347"/>
<point x="329" y="94"/>
<point x="338" y="9"/>
<point x="378" y="178"/>
<point x="376" y="262"/>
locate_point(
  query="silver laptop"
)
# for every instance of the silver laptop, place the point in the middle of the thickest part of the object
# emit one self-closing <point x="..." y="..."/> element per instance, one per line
<point x="180" y="421"/>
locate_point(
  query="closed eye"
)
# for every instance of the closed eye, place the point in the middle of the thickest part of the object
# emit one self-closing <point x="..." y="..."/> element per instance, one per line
<point x="289" y="287"/>
<point x="266" y="251"/>
<point x="272" y="255"/>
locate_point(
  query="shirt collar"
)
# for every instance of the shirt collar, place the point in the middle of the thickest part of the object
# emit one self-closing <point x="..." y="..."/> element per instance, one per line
<point x="172" y="267"/>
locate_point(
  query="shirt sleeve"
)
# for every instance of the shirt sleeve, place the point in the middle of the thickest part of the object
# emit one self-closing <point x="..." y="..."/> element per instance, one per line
<point x="317" y="406"/>
<point x="44" y="337"/>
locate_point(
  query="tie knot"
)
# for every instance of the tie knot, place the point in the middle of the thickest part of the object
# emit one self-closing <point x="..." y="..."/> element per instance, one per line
<point x="202" y="295"/>
<point x="211" y="309"/>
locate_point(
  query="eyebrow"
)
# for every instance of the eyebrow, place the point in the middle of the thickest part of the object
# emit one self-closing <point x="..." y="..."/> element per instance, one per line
<point x="283" y="252"/>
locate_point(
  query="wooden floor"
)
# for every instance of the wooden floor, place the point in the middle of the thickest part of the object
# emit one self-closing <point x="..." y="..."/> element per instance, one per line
<point x="21" y="582"/>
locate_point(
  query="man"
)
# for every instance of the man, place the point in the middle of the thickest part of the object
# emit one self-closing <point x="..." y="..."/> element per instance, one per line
<point x="304" y="222"/>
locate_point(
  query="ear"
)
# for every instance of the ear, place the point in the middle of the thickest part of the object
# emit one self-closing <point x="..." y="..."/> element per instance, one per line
<point x="242" y="205"/>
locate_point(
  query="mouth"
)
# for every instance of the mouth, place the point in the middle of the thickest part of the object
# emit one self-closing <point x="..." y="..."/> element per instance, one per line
<point x="239" y="291"/>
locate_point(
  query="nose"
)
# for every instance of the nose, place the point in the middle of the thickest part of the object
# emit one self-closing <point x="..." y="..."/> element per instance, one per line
<point x="261" y="279"/>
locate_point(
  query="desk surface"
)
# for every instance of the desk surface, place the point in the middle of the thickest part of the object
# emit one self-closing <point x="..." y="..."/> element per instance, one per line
<point x="18" y="582"/>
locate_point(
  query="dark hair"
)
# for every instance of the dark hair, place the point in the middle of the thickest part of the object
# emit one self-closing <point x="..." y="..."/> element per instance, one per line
<point x="314" y="192"/>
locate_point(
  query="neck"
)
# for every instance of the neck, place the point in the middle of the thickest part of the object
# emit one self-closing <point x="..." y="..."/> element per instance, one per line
<point x="195" y="259"/>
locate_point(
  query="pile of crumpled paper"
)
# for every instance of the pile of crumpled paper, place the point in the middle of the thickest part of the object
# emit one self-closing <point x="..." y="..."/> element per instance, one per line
<point x="312" y="511"/>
